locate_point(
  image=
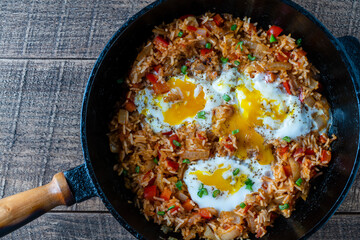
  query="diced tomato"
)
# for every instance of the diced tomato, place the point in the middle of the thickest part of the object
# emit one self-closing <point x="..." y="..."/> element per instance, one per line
<point x="219" y="21"/>
<point x="167" y="133"/>
<point x="205" y="51"/>
<point x="191" y="28"/>
<point x="287" y="87"/>
<point x="230" y="147"/>
<point x="172" y="164"/>
<point x="283" y="150"/>
<point x="187" y="205"/>
<point x="201" y="137"/>
<point x="151" y="77"/>
<point x="280" y="57"/>
<point x="322" y="139"/>
<point x="172" y="138"/>
<point x="270" y="77"/>
<point x="309" y="151"/>
<point x="130" y="106"/>
<point x="287" y="170"/>
<point x="264" y="185"/>
<point x="150" y="192"/>
<point x="186" y="16"/>
<point x="274" y="30"/>
<point x="161" y="41"/>
<point x="166" y="194"/>
<point x="325" y="156"/>
<point x="157" y="68"/>
<point x="252" y="28"/>
<point x="148" y="178"/>
<point x="205" y="213"/>
<point x="247" y="208"/>
<point x="299" y="151"/>
<point x="161" y="87"/>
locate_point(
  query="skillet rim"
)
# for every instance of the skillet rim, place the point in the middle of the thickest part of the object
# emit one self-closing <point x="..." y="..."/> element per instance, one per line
<point x="336" y="43"/>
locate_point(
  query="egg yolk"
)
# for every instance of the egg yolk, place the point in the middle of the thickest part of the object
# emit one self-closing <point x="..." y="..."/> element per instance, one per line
<point x="217" y="180"/>
<point x="189" y="105"/>
<point x="253" y="109"/>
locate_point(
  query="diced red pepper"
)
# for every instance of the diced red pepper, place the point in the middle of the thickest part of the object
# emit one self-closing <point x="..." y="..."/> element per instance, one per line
<point x="322" y="139"/>
<point x="151" y="77"/>
<point x="230" y="147"/>
<point x="157" y="68"/>
<point x="287" y="170"/>
<point x="150" y="192"/>
<point x="325" y="156"/>
<point x="166" y="194"/>
<point x="161" y="41"/>
<point x="172" y="138"/>
<point x="174" y="209"/>
<point x="280" y="57"/>
<point x="287" y="87"/>
<point x="186" y="16"/>
<point x="167" y="133"/>
<point x="274" y="30"/>
<point x="161" y="87"/>
<point x="219" y="21"/>
<point x="205" y="213"/>
<point x="252" y="28"/>
<point x="205" y="51"/>
<point x="201" y="137"/>
<point x="309" y="152"/>
<point x="130" y="106"/>
<point x="147" y="178"/>
<point x="299" y="151"/>
<point x="173" y="165"/>
<point x="191" y="28"/>
<point x="187" y="205"/>
<point x="283" y="150"/>
<point x="270" y="77"/>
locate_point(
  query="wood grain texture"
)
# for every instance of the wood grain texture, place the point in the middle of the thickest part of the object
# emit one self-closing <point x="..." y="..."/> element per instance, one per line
<point x="93" y="226"/>
<point x="80" y="29"/>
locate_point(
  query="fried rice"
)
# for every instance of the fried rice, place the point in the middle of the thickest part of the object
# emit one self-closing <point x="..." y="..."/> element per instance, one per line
<point x="153" y="167"/>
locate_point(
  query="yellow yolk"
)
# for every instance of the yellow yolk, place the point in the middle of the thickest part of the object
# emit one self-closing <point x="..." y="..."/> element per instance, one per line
<point x="216" y="179"/>
<point x="248" y="140"/>
<point x="188" y="107"/>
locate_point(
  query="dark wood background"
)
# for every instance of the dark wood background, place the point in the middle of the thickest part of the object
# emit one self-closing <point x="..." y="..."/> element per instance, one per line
<point x="47" y="50"/>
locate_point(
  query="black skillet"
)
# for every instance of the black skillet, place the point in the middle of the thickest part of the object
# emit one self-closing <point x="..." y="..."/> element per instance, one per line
<point x="337" y="59"/>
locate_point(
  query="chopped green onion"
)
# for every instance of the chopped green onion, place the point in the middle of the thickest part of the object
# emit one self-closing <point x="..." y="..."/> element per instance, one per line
<point x="171" y="207"/>
<point x="236" y="171"/>
<point x="215" y="193"/>
<point x="178" y="184"/>
<point x="233" y="27"/>
<point x="202" y="191"/>
<point x="272" y="38"/>
<point x="176" y="143"/>
<point x="240" y="44"/>
<point x="242" y="205"/>
<point x="251" y="58"/>
<point x="201" y="186"/>
<point x="201" y="115"/>
<point x="283" y="207"/>
<point x="299" y="182"/>
<point x="124" y="172"/>
<point x="298" y="42"/>
<point x="156" y="160"/>
<point x="287" y="139"/>
<point x="161" y="213"/>
<point x="186" y="161"/>
<point x="208" y="45"/>
<point x="224" y="60"/>
<point x="183" y="69"/>
<point x="236" y="62"/>
<point x="180" y="34"/>
<point x="235" y="131"/>
<point x="249" y="184"/>
<point x="226" y="97"/>
<point x="120" y="80"/>
<point x="137" y="169"/>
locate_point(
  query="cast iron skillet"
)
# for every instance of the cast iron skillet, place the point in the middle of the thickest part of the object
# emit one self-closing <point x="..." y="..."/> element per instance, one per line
<point x="339" y="75"/>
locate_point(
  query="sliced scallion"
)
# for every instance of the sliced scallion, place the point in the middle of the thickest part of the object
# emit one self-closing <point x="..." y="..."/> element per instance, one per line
<point x="235" y="131"/>
<point x="233" y="27"/>
<point x="178" y="184"/>
<point x="242" y="205"/>
<point x="226" y="97"/>
<point x="299" y="182"/>
<point x="208" y="45"/>
<point x="224" y="60"/>
<point x="183" y="69"/>
<point x="236" y="171"/>
<point x="215" y="193"/>
<point x="283" y="207"/>
<point x="287" y="139"/>
<point x="187" y="161"/>
<point x="272" y="38"/>
<point x="251" y="58"/>
<point x="137" y="169"/>
<point x="236" y="62"/>
<point x="161" y="213"/>
<point x="298" y="42"/>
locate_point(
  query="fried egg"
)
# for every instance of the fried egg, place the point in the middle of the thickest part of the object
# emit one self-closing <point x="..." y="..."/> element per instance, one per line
<point x="223" y="182"/>
<point x="262" y="111"/>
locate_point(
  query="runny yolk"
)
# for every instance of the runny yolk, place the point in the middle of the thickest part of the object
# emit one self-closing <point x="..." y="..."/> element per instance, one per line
<point x="247" y="119"/>
<point x="189" y="106"/>
<point x="217" y="180"/>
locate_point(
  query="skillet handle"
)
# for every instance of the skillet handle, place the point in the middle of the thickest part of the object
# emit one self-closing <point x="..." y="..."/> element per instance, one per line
<point x="21" y="208"/>
<point x="352" y="47"/>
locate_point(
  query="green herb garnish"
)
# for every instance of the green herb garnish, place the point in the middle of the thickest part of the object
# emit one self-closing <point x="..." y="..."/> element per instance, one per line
<point x="298" y="42"/>
<point x="236" y="62"/>
<point x="272" y="38"/>
<point x="249" y="184"/>
<point x="287" y="139"/>
<point x="242" y="205"/>
<point x="178" y="184"/>
<point x="161" y="213"/>
<point x="283" y="207"/>
<point x="187" y="161"/>
<point x="251" y="58"/>
<point x="226" y="97"/>
<point x="299" y="182"/>
<point x="156" y="160"/>
<point x="233" y="27"/>
<point x="176" y="143"/>
<point x="201" y="115"/>
<point x="180" y="34"/>
<point x="236" y="171"/>
<point x="240" y="44"/>
<point x="224" y="60"/>
<point x="137" y="169"/>
<point x="183" y="69"/>
<point x="216" y="193"/>
<point x="171" y="207"/>
<point x="235" y="131"/>
<point x="208" y="45"/>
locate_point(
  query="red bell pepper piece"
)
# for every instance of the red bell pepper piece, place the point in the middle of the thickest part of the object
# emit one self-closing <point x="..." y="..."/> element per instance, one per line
<point x="150" y="192"/>
<point x="205" y="213"/>
<point x="191" y="28"/>
<point x="161" y="41"/>
<point x="274" y="30"/>
<point x="219" y="21"/>
<point x="172" y="164"/>
<point x="287" y="87"/>
<point x="205" y="51"/>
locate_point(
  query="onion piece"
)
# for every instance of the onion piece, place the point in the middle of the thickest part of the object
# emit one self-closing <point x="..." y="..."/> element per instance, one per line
<point x="278" y="66"/>
<point x="295" y="168"/>
<point x="310" y="101"/>
<point x="201" y="32"/>
<point x="209" y="234"/>
<point x="123" y="116"/>
<point x="230" y="234"/>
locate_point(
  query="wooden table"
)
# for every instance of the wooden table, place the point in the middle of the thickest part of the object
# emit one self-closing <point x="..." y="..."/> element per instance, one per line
<point x="47" y="50"/>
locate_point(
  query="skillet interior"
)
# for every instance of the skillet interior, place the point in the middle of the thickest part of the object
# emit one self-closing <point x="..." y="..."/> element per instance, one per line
<point x="104" y="92"/>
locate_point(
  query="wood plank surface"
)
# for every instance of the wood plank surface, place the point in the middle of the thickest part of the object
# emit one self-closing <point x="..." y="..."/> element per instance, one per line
<point x="47" y="50"/>
<point x="93" y="226"/>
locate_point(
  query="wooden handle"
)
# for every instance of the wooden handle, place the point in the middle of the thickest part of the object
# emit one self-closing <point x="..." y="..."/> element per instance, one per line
<point x="19" y="209"/>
